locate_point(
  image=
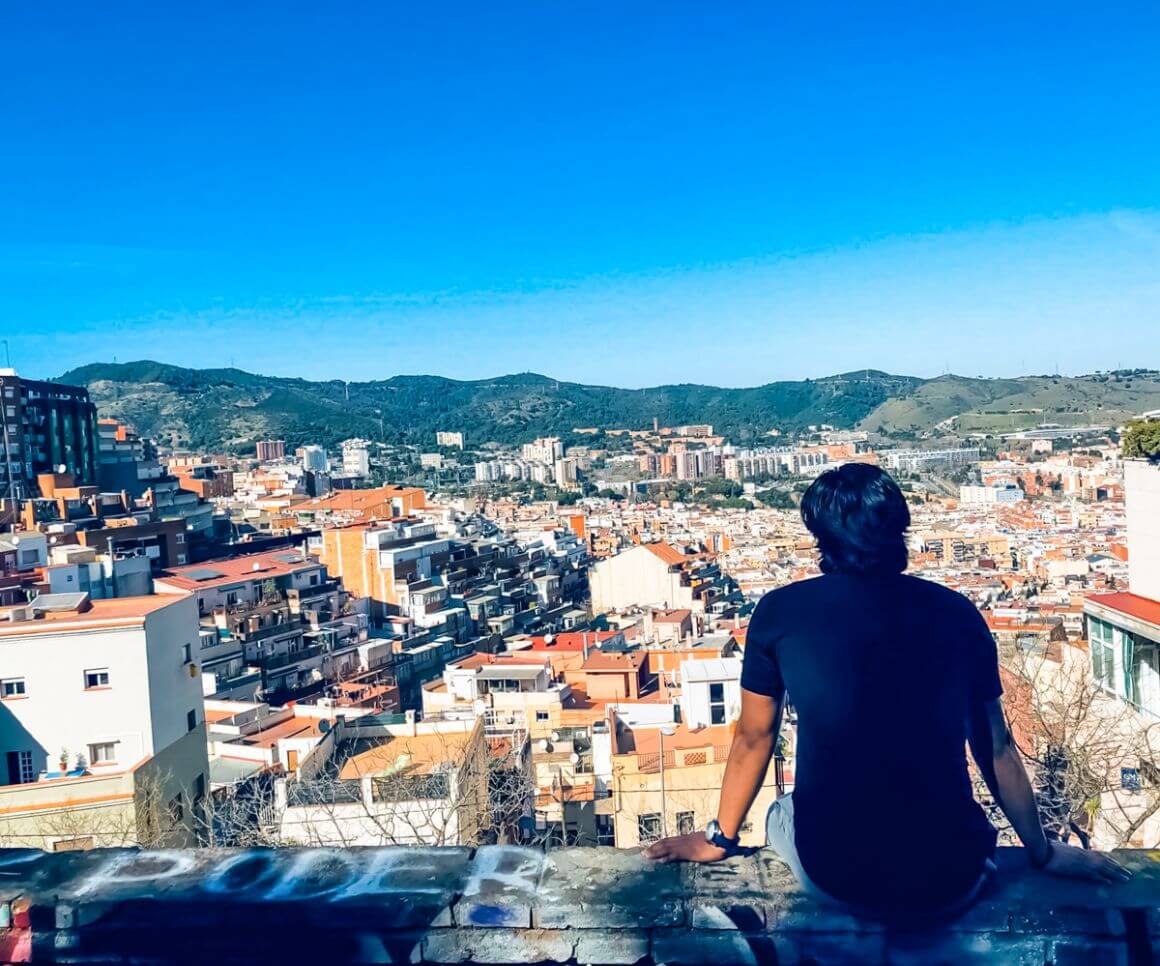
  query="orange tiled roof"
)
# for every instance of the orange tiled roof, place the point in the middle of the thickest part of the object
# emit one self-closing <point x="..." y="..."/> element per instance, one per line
<point x="666" y="553"/>
<point x="1133" y="605"/>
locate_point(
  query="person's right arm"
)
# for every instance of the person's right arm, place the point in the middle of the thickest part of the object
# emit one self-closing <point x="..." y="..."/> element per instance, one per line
<point x="1001" y="765"/>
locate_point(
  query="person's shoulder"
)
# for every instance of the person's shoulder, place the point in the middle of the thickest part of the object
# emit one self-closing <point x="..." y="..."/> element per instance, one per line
<point x="937" y="594"/>
<point x="789" y="597"/>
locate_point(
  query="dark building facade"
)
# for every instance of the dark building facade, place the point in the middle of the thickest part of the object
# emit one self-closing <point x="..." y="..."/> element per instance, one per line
<point x="44" y="426"/>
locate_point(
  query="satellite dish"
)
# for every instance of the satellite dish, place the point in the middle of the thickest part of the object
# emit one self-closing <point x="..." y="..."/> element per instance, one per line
<point x="575" y="758"/>
<point x="555" y="736"/>
<point x="324" y="726"/>
<point x="545" y="745"/>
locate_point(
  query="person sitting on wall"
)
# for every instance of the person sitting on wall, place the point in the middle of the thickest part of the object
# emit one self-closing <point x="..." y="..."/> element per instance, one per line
<point x="891" y="677"/>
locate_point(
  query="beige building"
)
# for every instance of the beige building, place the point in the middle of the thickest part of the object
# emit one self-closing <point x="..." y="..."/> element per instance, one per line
<point x="671" y="784"/>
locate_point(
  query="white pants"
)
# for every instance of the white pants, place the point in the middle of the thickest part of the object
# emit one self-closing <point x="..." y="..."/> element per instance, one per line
<point x="779" y="836"/>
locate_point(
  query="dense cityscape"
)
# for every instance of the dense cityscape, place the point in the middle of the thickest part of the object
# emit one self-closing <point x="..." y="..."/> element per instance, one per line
<point x="375" y="643"/>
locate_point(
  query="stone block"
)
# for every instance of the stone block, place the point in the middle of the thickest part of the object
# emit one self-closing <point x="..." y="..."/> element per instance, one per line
<point x="498" y="945"/>
<point x="607" y="888"/>
<point x="964" y="949"/>
<point x="1052" y="920"/>
<point x="727" y="895"/>
<point x="717" y="946"/>
<point x="500" y="887"/>
<point x="1081" y="951"/>
<point x="611" y="947"/>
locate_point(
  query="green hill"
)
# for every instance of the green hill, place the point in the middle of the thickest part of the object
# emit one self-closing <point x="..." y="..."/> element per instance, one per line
<point x="231" y="409"/>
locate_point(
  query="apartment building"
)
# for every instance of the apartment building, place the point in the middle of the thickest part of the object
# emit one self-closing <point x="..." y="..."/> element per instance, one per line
<point x="44" y="426"/>
<point x="102" y="724"/>
<point x="268" y="450"/>
<point x="1124" y="627"/>
<point x="273" y="622"/>
<point x="658" y="575"/>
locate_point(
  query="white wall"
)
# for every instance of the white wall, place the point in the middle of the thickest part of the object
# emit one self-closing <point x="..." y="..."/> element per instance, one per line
<point x="59" y="713"/>
<point x="635" y="577"/>
<point x="1142" y="499"/>
<point x="173" y="690"/>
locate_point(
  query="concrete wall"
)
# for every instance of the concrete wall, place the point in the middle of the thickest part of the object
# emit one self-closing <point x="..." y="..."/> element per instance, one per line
<point x="635" y="577"/>
<point x="504" y="904"/>
<point x="1142" y="501"/>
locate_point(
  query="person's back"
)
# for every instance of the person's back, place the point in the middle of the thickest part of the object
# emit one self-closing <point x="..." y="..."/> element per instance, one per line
<point x="890" y="676"/>
<point x="881" y="669"/>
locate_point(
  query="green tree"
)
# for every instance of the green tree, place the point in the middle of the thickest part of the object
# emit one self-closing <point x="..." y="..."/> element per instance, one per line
<point x="1142" y="439"/>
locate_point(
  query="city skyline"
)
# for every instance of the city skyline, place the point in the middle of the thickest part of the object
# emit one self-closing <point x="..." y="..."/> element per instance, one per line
<point x="729" y="198"/>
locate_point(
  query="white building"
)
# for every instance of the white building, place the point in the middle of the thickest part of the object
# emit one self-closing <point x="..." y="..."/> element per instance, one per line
<point x="356" y="460"/>
<point x="547" y="449"/>
<point x="101" y="721"/>
<point x="710" y="692"/>
<point x="314" y="459"/>
<point x="443" y="438"/>
<point x="414" y="783"/>
<point x="924" y="460"/>
<point x="1002" y="493"/>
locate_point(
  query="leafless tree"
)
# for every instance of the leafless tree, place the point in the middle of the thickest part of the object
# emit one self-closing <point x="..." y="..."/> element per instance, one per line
<point x="1091" y="753"/>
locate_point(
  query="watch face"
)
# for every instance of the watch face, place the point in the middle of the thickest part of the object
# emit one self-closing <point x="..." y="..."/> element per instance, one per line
<point x="711" y="830"/>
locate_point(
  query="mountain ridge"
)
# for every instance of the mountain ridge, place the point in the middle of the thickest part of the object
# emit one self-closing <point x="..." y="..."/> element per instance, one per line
<point x="230" y="408"/>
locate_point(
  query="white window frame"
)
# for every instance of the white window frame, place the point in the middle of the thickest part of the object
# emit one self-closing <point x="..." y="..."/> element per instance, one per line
<point x="6" y="683"/>
<point x="96" y="672"/>
<point x="103" y="752"/>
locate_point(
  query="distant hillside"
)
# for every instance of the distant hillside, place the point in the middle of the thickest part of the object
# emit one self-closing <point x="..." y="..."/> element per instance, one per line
<point x="231" y="409"/>
<point x="1006" y="405"/>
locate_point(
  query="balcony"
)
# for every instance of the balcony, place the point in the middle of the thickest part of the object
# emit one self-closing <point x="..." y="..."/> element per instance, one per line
<point x="511" y="904"/>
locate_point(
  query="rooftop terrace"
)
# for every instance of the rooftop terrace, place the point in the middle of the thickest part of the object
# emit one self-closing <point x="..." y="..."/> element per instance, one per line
<point x="506" y="904"/>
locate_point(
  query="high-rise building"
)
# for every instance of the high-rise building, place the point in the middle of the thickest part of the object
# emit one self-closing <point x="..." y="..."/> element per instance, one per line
<point x="271" y="449"/>
<point x="314" y="459"/>
<point x="356" y="459"/>
<point x="44" y="426"/>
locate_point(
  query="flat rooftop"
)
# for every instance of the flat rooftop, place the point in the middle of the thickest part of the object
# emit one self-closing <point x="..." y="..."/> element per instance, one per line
<point x="406" y="754"/>
<point x="97" y="614"/>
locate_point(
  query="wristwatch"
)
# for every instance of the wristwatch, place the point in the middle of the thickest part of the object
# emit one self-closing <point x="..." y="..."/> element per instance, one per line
<point x="714" y="836"/>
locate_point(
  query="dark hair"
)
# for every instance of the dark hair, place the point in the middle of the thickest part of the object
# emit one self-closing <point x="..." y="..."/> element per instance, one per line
<point x="859" y="517"/>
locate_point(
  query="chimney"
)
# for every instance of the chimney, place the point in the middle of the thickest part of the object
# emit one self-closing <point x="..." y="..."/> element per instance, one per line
<point x="409" y="718"/>
<point x="585" y="646"/>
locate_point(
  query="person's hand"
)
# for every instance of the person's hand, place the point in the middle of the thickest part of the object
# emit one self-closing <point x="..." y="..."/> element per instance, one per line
<point x="1074" y="863"/>
<point x="693" y="847"/>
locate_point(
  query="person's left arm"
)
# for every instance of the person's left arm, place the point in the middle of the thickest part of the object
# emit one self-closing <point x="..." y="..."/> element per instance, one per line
<point x="749" y="755"/>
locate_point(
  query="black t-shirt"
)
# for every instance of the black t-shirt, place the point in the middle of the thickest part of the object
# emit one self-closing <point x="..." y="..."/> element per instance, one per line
<point x="881" y="670"/>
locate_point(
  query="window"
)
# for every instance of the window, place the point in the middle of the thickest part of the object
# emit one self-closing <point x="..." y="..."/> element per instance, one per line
<point x="717" y="703"/>
<point x="648" y="828"/>
<point x="179" y="538"/>
<point x="12" y="688"/>
<point x="1102" y="635"/>
<point x="191" y="719"/>
<point x="686" y="822"/>
<point x="177" y="808"/>
<point x="103" y="753"/>
<point x="97" y="677"/>
<point x="20" y="770"/>
<point x="542" y="716"/>
<point x="186" y="655"/>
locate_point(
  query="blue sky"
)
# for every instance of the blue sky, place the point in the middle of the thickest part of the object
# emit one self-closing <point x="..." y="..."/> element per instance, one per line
<point x="619" y="193"/>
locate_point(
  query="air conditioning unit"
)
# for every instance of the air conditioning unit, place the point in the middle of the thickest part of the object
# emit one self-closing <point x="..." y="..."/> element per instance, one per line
<point x="22" y="613"/>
